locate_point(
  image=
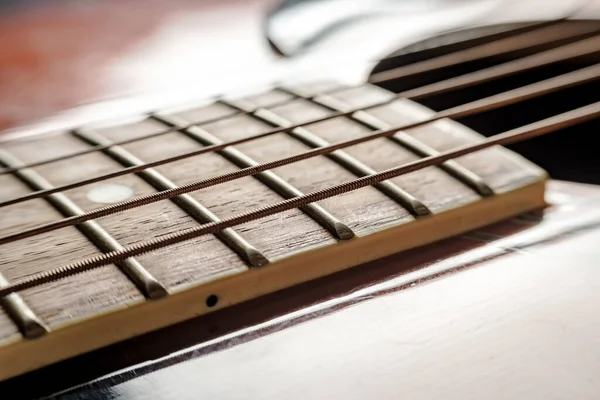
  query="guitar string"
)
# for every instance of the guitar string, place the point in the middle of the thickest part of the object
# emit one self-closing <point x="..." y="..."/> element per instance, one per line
<point x="539" y="128"/>
<point x="493" y="102"/>
<point x="561" y="53"/>
<point x="423" y="92"/>
<point x="211" y="101"/>
<point x="536" y="27"/>
<point x="244" y="112"/>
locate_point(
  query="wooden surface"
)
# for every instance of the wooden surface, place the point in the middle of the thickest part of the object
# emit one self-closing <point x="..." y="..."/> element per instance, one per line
<point x="287" y="240"/>
<point x="506" y="311"/>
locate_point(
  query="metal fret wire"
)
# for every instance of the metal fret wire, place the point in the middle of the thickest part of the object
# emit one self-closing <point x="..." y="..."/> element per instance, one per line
<point x="135" y="139"/>
<point x="192" y="207"/>
<point x="95" y="234"/>
<point x="478" y="106"/>
<point x="539" y="128"/>
<point x="484" y="75"/>
<point x="275" y="183"/>
<point x="435" y="88"/>
<point x="409" y="202"/>
<point x="416" y="147"/>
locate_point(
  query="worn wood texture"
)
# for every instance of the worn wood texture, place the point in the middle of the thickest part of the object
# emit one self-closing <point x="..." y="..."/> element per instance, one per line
<point x="298" y="247"/>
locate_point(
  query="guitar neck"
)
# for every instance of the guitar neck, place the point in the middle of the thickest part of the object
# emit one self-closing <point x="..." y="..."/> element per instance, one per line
<point x="173" y="283"/>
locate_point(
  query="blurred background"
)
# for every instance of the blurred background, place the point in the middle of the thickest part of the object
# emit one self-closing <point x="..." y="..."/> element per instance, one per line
<point x="73" y="55"/>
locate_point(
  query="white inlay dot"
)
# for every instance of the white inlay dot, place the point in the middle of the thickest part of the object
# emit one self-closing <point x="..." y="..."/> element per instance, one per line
<point x="109" y="193"/>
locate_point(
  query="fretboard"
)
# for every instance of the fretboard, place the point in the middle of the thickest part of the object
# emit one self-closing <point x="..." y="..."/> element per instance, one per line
<point x="69" y="316"/>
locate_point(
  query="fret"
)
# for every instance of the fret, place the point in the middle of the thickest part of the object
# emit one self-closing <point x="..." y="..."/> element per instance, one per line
<point x="342" y="158"/>
<point x="439" y="136"/>
<point x="12" y="216"/>
<point x="9" y="331"/>
<point x="56" y="304"/>
<point x="55" y="144"/>
<point x="446" y="134"/>
<point x="30" y="325"/>
<point x="403" y="139"/>
<point x="365" y="211"/>
<point x="67" y="303"/>
<point x="379" y="154"/>
<point x="205" y="269"/>
<point x="193" y="113"/>
<point x="130" y="129"/>
<point x="337" y="228"/>
<point x="276" y="237"/>
<point x="146" y="283"/>
<point x="177" y="267"/>
<point x="187" y="203"/>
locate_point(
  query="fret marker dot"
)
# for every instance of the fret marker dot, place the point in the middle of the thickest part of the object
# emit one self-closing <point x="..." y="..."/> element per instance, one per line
<point x="109" y="193"/>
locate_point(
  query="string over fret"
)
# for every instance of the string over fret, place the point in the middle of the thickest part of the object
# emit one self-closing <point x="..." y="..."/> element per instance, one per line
<point x="30" y="324"/>
<point x="540" y="128"/>
<point x="187" y="203"/>
<point x="286" y="190"/>
<point x="567" y="80"/>
<point x="405" y="140"/>
<point x="143" y="279"/>
<point x="405" y="199"/>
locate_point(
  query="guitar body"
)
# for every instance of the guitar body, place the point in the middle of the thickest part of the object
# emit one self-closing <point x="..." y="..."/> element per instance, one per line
<point x="508" y="310"/>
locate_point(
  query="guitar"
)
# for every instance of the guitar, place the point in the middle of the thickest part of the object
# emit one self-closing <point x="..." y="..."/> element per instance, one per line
<point x="272" y="207"/>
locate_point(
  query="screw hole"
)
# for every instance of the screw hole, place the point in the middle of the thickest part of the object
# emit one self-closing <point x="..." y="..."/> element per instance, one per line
<point x="212" y="300"/>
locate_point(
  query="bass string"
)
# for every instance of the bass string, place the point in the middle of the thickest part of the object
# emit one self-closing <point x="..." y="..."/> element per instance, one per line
<point x="539" y="128"/>
<point x="443" y="86"/>
<point x="537" y="89"/>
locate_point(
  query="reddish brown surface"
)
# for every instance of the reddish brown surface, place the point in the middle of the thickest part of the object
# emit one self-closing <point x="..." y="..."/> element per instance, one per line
<point x="60" y="54"/>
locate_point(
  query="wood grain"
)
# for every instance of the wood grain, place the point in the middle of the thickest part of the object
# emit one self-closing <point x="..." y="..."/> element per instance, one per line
<point x="22" y="215"/>
<point x="194" y="261"/>
<point x="293" y="228"/>
<point x="381" y="154"/>
<point x="64" y="300"/>
<point x="45" y="147"/>
<point x="298" y="248"/>
<point x="520" y="325"/>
